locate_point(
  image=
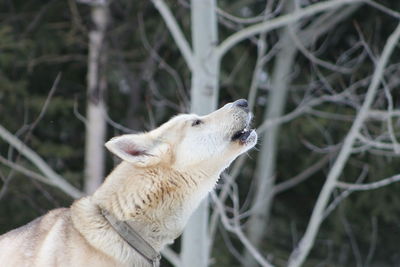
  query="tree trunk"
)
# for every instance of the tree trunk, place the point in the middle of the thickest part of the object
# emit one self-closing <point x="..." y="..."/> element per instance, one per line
<point x="95" y="116"/>
<point x="204" y="98"/>
<point x="266" y="163"/>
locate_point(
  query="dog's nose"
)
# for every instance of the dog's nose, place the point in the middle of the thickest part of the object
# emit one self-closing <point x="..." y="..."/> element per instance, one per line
<point x="241" y="103"/>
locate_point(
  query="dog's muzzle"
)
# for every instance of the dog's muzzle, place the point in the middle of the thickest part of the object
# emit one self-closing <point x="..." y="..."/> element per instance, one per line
<point x="245" y="133"/>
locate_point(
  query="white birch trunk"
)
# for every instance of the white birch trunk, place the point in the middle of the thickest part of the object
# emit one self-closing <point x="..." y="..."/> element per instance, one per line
<point x="95" y="115"/>
<point x="204" y="98"/>
<point x="265" y="173"/>
<point x="266" y="164"/>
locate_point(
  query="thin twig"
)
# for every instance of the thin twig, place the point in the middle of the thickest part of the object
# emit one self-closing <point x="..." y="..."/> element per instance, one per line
<point x="25" y="171"/>
<point x="46" y="104"/>
<point x="369" y="186"/>
<point x="353" y="242"/>
<point x="239" y="233"/>
<point x="301" y="177"/>
<point x="374" y="237"/>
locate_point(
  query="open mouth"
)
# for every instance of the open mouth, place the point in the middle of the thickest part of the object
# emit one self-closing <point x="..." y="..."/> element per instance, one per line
<point x="242" y="135"/>
<point x="245" y="135"/>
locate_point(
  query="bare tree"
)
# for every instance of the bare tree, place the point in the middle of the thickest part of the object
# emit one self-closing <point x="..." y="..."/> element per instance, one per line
<point x="96" y="107"/>
<point x="280" y="82"/>
<point x="204" y="97"/>
<point x="203" y="62"/>
<point x="297" y="27"/>
<point x="266" y="160"/>
<point x="300" y="253"/>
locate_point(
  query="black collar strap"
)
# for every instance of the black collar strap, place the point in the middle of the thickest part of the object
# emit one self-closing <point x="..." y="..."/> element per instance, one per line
<point x="133" y="239"/>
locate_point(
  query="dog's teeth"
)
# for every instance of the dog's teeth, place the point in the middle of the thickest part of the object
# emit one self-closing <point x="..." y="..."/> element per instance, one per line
<point x="242" y="134"/>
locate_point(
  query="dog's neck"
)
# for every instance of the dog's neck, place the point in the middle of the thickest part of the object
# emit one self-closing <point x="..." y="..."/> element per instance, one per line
<point x="157" y="202"/>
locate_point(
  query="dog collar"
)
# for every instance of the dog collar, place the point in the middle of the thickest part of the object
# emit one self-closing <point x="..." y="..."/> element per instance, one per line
<point x="133" y="238"/>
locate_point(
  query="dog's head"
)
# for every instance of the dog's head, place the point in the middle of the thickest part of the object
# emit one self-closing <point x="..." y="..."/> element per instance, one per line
<point x="188" y="141"/>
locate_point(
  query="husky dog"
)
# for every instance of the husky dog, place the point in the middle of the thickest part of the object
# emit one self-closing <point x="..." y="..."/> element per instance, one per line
<point x="163" y="176"/>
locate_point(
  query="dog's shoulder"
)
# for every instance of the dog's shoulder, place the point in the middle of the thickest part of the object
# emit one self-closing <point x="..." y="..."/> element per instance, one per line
<point x="37" y="227"/>
<point x="30" y="238"/>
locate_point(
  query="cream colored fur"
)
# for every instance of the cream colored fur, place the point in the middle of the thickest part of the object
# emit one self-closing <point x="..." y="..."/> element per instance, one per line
<point x="163" y="176"/>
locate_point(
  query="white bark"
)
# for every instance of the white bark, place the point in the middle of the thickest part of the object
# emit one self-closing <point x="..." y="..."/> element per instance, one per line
<point x="266" y="161"/>
<point x="204" y="63"/>
<point x="95" y="117"/>
<point x="205" y="75"/>
<point x="204" y="98"/>
<point x="299" y="255"/>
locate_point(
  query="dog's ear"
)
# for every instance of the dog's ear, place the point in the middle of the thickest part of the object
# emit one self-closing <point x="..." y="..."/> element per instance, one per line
<point x="139" y="149"/>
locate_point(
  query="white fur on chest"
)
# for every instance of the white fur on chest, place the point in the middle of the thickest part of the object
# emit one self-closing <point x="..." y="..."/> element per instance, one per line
<point x="176" y="214"/>
<point x="192" y="201"/>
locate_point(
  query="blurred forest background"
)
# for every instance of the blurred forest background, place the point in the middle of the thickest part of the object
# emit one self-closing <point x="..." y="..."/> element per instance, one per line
<point x="322" y="78"/>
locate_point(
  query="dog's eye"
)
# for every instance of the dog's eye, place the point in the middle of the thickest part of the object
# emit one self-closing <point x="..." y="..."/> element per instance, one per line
<point x="197" y="122"/>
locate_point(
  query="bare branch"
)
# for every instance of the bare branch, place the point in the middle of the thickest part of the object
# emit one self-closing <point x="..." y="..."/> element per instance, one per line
<point x="46" y="103"/>
<point x="302" y="48"/>
<point x="238" y="19"/>
<point x="301" y="176"/>
<point x="171" y="256"/>
<point x="266" y="14"/>
<point x="382" y="115"/>
<point x="280" y="21"/>
<point x="369" y="186"/>
<point x="374" y="237"/>
<point x="350" y="234"/>
<point x="229" y="181"/>
<point x="238" y="231"/>
<point x="377" y="144"/>
<point x="339" y="198"/>
<point x="175" y="31"/>
<point x="25" y="171"/>
<point x="301" y="109"/>
<point x="94" y="2"/>
<point x="384" y="9"/>
<point x="325" y="22"/>
<point x="388" y="96"/>
<point x="300" y="253"/>
<point x="261" y="49"/>
<point x="28" y="153"/>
